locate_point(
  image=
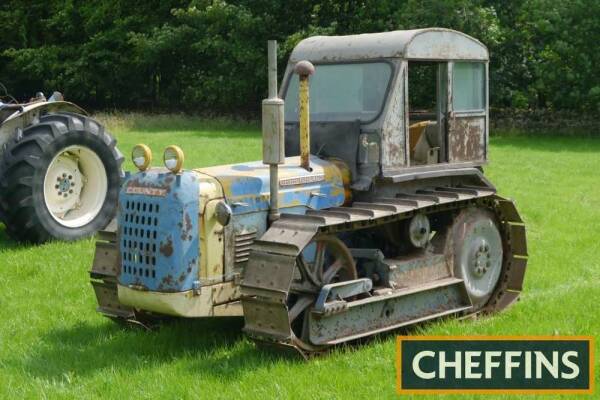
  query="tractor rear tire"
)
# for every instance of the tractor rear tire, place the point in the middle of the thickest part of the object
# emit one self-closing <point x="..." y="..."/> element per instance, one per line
<point x="59" y="179"/>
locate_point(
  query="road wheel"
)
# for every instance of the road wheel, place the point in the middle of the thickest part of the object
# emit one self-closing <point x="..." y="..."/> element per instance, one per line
<point x="59" y="179"/>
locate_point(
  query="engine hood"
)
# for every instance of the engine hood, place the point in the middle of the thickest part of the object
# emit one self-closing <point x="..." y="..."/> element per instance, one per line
<point x="246" y="186"/>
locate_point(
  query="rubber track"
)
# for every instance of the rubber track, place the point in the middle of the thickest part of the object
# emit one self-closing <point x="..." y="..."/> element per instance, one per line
<point x="270" y="269"/>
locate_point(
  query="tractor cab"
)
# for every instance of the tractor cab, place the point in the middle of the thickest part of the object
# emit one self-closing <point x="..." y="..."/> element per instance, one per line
<point x="389" y="104"/>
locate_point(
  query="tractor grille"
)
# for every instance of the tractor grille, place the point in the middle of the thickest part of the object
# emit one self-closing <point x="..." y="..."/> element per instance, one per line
<point x="139" y="238"/>
<point x="243" y="242"/>
<point x="158" y="231"/>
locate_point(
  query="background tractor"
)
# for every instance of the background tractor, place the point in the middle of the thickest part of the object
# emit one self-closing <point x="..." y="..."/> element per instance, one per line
<point x="60" y="171"/>
<point x="367" y="213"/>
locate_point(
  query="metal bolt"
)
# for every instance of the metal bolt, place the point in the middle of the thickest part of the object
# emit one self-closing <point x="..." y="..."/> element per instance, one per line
<point x="70" y="176"/>
<point x="72" y="183"/>
<point x="56" y="187"/>
<point x="70" y="191"/>
<point x="64" y="175"/>
<point x="58" y="178"/>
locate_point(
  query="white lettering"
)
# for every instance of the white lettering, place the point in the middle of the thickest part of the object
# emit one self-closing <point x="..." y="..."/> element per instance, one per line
<point x="540" y="359"/>
<point x="470" y="364"/>
<point x="489" y="363"/>
<point x="456" y="364"/>
<point x="417" y="367"/>
<point x="570" y="364"/>
<point x="510" y="364"/>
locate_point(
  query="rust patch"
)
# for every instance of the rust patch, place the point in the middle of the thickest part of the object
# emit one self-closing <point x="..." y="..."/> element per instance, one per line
<point x="166" y="249"/>
<point x="166" y="283"/>
<point x="187" y="228"/>
<point x="466" y="139"/>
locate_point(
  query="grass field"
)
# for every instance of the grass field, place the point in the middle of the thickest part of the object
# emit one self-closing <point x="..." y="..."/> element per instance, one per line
<point x="53" y="344"/>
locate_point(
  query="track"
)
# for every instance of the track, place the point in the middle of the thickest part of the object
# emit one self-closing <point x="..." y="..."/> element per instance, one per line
<point x="269" y="273"/>
<point x="270" y="270"/>
<point x="103" y="278"/>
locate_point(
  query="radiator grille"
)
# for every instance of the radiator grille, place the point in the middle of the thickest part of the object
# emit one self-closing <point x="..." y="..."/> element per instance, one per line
<point x="139" y="238"/>
<point x="243" y="242"/>
<point x="158" y="234"/>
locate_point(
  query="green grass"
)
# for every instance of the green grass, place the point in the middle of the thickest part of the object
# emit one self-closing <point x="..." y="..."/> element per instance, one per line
<point x="53" y="344"/>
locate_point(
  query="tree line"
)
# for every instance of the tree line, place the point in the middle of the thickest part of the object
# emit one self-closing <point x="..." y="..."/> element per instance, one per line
<point x="209" y="56"/>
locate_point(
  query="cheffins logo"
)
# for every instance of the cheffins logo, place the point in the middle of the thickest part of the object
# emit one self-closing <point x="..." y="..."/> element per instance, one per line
<point x="494" y="364"/>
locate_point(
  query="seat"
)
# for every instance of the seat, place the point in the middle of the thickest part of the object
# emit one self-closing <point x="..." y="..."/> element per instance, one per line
<point x="425" y="149"/>
<point x="414" y="133"/>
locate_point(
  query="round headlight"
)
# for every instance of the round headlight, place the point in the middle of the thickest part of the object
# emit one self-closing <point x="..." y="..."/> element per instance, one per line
<point x="141" y="155"/>
<point x="173" y="159"/>
<point x="223" y="213"/>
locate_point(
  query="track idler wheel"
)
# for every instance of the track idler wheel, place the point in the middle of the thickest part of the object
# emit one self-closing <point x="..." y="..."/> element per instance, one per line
<point x="325" y="260"/>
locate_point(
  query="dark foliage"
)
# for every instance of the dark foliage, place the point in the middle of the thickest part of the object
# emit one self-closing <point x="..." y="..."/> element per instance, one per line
<point x="209" y="55"/>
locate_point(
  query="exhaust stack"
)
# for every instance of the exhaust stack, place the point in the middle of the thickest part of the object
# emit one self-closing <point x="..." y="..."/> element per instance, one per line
<point x="273" y="132"/>
<point x="304" y="69"/>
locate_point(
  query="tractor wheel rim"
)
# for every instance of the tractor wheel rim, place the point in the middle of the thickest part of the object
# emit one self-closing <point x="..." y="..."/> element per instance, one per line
<point x="75" y="186"/>
<point x="481" y="259"/>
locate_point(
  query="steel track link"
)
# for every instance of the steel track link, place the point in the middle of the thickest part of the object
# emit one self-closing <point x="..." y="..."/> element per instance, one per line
<point x="103" y="277"/>
<point x="270" y="270"/>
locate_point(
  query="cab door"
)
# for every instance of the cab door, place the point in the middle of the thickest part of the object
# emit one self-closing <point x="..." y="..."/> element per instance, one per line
<point x="467" y="116"/>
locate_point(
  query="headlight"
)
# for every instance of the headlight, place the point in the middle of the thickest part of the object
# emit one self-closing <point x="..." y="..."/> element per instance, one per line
<point x="223" y="213"/>
<point x="173" y="159"/>
<point x="141" y="155"/>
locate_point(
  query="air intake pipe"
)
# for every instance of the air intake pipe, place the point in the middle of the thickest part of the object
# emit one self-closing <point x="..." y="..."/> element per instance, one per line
<point x="304" y="69"/>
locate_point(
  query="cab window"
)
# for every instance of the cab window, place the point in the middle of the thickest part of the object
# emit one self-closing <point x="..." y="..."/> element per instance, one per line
<point x="468" y="84"/>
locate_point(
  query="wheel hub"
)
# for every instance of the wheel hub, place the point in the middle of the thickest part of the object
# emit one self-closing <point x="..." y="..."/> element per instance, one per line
<point x="481" y="259"/>
<point x="75" y="186"/>
<point x="419" y="230"/>
<point x="69" y="184"/>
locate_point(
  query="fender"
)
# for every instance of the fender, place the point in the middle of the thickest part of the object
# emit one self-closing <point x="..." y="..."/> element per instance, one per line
<point x="30" y="113"/>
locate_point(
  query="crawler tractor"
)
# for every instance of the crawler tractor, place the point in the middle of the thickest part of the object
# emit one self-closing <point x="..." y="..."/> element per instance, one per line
<point x="366" y="213"/>
<point x="60" y="171"/>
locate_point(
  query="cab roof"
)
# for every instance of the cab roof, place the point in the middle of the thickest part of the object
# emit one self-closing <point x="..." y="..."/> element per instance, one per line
<point x="416" y="44"/>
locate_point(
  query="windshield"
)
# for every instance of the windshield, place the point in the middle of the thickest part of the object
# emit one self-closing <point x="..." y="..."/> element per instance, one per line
<point x="342" y="92"/>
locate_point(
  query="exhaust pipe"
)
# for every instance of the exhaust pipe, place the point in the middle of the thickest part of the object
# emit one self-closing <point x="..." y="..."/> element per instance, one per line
<point x="273" y="132"/>
<point x="304" y="69"/>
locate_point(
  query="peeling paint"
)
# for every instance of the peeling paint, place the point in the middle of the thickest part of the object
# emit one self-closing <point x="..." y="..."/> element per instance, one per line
<point x="166" y="249"/>
<point x="466" y="138"/>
